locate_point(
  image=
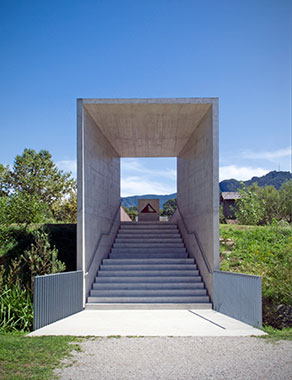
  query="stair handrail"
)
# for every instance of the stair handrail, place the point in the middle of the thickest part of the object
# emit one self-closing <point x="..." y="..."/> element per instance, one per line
<point x="201" y="250"/>
<point x="102" y="235"/>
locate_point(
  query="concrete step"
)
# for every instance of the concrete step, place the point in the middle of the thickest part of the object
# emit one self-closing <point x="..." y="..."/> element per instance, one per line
<point x="150" y="299"/>
<point x="147" y="255"/>
<point x="148" y="245"/>
<point x="147" y="293"/>
<point x="149" y="228"/>
<point x="146" y="261"/>
<point x="148" y="286"/>
<point x="148" y="306"/>
<point x="147" y="223"/>
<point x="148" y="233"/>
<point x="146" y="226"/>
<point x="147" y="279"/>
<point x="151" y="250"/>
<point x="148" y="273"/>
<point x="146" y="239"/>
<point x="151" y="267"/>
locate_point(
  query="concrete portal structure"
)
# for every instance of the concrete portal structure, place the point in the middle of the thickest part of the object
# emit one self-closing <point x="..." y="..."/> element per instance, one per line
<point x="186" y="128"/>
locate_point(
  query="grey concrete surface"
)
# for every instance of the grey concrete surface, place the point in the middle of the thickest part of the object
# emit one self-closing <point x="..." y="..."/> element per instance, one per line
<point x="197" y="193"/>
<point x="177" y="358"/>
<point x="108" y="129"/>
<point x="98" y="196"/>
<point x="148" y="323"/>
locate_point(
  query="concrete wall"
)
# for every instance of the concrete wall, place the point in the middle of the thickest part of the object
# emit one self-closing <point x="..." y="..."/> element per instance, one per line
<point x="124" y="216"/>
<point x="198" y="193"/>
<point x="98" y="195"/>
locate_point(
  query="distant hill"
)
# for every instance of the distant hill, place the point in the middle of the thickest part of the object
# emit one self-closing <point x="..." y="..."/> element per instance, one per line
<point x="275" y="178"/>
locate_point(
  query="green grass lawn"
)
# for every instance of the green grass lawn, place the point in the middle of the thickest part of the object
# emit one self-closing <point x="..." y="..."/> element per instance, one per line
<point x="24" y="357"/>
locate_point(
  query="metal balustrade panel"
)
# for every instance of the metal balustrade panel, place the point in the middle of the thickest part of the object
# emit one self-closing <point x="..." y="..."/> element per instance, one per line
<point x="57" y="296"/>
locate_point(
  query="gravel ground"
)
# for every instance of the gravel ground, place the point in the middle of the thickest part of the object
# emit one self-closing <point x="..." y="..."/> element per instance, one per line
<point x="180" y="358"/>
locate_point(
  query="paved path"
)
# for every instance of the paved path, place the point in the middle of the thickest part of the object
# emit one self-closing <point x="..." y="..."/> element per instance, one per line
<point x="148" y="323"/>
<point x="180" y="358"/>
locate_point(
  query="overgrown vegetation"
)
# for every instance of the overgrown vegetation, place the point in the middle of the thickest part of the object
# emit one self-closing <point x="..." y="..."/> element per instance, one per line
<point x="266" y="252"/>
<point x="24" y="358"/>
<point x="17" y="272"/>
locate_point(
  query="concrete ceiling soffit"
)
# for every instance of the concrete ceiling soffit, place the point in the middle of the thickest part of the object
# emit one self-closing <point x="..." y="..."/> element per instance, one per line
<point x="147" y="130"/>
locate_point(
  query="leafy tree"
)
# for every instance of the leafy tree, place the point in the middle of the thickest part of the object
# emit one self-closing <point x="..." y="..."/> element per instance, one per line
<point x="36" y="174"/>
<point x="285" y="195"/>
<point x="66" y="209"/>
<point x="36" y="191"/>
<point x="270" y="201"/>
<point x="249" y="208"/>
<point x="169" y="207"/>
<point x="4" y="173"/>
<point x="24" y="209"/>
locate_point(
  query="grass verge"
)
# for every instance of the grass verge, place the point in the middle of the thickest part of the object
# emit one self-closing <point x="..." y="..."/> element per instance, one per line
<point x="24" y="357"/>
<point x="275" y="334"/>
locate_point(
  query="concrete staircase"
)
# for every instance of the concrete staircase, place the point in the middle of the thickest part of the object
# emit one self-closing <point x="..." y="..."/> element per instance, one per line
<point x="148" y="267"/>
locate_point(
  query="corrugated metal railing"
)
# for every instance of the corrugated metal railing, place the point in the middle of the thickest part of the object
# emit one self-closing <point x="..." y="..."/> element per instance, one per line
<point x="56" y="296"/>
<point x="239" y="296"/>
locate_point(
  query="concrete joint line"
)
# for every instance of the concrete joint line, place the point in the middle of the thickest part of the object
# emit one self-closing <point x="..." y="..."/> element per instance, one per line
<point x="206" y="319"/>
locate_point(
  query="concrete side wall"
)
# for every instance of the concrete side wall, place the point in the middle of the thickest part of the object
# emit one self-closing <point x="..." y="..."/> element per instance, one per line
<point x="99" y="196"/>
<point x="124" y="217"/>
<point x="198" y="193"/>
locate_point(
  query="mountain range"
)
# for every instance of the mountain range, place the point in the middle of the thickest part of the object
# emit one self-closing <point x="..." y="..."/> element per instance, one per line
<point x="274" y="178"/>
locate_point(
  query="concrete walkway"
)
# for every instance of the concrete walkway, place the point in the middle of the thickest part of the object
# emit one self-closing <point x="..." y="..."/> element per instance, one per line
<point x="148" y="323"/>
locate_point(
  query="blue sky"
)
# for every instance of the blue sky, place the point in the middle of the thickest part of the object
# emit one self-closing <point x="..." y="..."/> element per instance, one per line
<point x="53" y="52"/>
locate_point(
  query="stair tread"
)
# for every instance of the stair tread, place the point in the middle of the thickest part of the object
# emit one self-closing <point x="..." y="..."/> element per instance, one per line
<point x="174" y="299"/>
<point x="148" y="267"/>
<point x="148" y="261"/>
<point x="132" y="279"/>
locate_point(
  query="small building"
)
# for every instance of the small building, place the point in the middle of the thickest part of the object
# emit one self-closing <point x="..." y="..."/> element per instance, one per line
<point x="227" y="199"/>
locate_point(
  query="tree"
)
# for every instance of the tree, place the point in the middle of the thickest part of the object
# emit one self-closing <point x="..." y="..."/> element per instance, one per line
<point x="249" y="208"/>
<point x="4" y="174"/>
<point x="23" y="208"/>
<point x="169" y="207"/>
<point x="36" y="190"/>
<point x="285" y="195"/>
<point x="36" y="174"/>
<point x="270" y="202"/>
